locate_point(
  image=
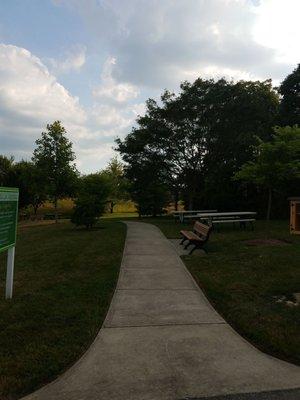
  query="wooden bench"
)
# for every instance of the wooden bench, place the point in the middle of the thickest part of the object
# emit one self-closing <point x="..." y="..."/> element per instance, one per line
<point x="198" y="237"/>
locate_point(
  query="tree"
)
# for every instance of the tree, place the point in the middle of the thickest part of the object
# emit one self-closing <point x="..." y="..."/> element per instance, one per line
<point x="54" y="158"/>
<point x="91" y="200"/>
<point x="290" y="101"/>
<point x="6" y="167"/>
<point x="118" y="183"/>
<point x="277" y="162"/>
<point x="147" y="189"/>
<point x="199" y="138"/>
<point x="28" y="178"/>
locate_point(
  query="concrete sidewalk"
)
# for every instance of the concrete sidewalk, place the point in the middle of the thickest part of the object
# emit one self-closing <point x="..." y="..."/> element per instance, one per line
<point x="162" y="339"/>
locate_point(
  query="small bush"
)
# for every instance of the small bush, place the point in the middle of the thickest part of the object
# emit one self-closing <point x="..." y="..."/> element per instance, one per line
<point x="91" y="199"/>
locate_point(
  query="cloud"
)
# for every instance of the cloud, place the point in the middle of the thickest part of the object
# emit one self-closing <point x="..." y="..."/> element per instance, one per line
<point x="277" y="27"/>
<point x="30" y="94"/>
<point x="73" y="60"/>
<point x="31" y="97"/>
<point x="157" y="44"/>
<point x="110" y="90"/>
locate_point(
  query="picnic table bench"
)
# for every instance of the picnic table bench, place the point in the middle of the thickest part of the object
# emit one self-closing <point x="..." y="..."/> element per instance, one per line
<point x="190" y="214"/>
<point x="198" y="237"/>
<point x="240" y="217"/>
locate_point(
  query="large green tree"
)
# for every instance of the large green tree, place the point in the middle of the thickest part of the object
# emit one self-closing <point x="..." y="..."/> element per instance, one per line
<point x="200" y="137"/>
<point x="290" y="101"/>
<point x="277" y="163"/>
<point x="55" y="159"/>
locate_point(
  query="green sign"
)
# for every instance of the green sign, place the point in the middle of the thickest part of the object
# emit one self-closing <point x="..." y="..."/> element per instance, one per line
<point x="9" y="198"/>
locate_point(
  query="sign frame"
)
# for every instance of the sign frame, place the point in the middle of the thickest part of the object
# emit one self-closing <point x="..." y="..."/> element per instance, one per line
<point x="13" y="196"/>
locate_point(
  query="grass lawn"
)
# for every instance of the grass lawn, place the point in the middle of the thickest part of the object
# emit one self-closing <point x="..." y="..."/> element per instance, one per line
<point x="241" y="281"/>
<point x="64" y="280"/>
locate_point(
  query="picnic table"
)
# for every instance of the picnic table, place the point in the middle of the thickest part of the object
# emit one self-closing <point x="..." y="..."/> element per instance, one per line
<point x="190" y="214"/>
<point x="242" y="217"/>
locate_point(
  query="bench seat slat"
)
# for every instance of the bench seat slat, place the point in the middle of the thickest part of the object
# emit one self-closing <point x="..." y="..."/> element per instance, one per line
<point x="191" y="236"/>
<point x="219" y="221"/>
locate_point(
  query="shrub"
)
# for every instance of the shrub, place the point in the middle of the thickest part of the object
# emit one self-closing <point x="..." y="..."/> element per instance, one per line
<point x="91" y="200"/>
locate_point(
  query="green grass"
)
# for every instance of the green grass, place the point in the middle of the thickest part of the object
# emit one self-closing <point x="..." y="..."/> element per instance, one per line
<point x="241" y="280"/>
<point x="64" y="280"/>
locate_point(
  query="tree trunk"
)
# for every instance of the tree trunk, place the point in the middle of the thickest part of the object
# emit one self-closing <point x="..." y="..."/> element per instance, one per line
<point x="176" y="205"/>
<point x="269" y="204"/>
<point x="55" y="210"/>
<point x="191" y="202"/>
<point x="112" y="207"/>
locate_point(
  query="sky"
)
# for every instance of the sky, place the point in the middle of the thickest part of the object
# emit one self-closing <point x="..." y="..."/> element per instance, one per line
<point x="92" y="64"/>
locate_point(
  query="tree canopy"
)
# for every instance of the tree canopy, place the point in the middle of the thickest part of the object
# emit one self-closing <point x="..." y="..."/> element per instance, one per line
<point x="29" y="179"/>
<point x="276" y="163"/>
<point x="290" y="102"/>
<point x="55" y="159"/>
<point x="6" y="167"/>
<point x="118" y="184"/>
<point x="91" y="198"/>
<point x="196" y="140"/>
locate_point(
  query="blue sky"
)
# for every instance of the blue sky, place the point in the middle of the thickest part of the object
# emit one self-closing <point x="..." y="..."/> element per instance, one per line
<point x="93" y="63"/>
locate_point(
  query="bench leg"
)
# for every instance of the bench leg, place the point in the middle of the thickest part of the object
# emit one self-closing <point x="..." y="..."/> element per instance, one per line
<point x="187" y="245"/>
<point x="197" y="247"/>
<point x="183" y="240"/>
<point x="193" y="249"/>
<point x="243" y="225"/>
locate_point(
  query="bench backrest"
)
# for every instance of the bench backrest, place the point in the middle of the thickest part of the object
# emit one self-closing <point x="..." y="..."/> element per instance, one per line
<point x="202" y="230"/>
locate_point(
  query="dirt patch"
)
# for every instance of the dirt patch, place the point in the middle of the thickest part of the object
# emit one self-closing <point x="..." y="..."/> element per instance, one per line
<point x="267" y="242"/>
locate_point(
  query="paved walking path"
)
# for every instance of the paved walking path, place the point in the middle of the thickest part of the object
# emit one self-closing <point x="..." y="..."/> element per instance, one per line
<point x="162" y="339"/>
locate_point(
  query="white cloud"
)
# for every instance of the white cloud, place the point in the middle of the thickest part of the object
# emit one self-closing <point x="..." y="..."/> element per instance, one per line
<point x="110" y="117"/>
<point x="93" y="159"/>
<point x="158" y="43"/>
<point x="31" y="93"/>
<point x="216" y="72"/>
<point x="110" y="89"/>
<point x="138" y="109"/>
<point x="31" y="97"/>
<point x="73" y="60"/>
<point x="277" y="26"/>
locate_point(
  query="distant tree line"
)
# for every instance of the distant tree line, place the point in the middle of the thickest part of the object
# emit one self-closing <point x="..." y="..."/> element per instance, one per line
<point x="213" y="146"/>
<point x="52" y="175"/>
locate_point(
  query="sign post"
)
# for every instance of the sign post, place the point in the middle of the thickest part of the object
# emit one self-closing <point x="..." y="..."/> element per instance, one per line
<point x="9" y="198"/>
